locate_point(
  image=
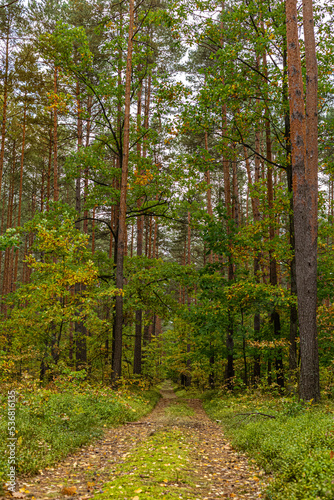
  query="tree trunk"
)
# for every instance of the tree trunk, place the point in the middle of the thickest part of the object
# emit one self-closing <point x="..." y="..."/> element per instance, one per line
<point x="48" y="184"/>
<point x="137" y="355"/>
<point x="293" y="279"/>
<point x="4" y="110"/>
<point x="93" y="231"/>
<point x="55" y="143"/>
<point x="21" y="181"/>
<point x="117" y="361"/>
<point x="256" y="214"/>
<point x="274" y="317"/>
<point x="2" y="226"/>
<point x="304" y="168"/>
<point x="309" y="373"/>
<point x="80" y="337"/>
<point x="188" y="376"/>
<point x="229" y="374"/>
<point x="88" y="129"/>
<point x="7" y="280"/>
<point x="79" y="146"/>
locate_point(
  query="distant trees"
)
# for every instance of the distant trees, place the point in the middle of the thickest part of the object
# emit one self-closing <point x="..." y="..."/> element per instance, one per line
<point x="179" y="187"/>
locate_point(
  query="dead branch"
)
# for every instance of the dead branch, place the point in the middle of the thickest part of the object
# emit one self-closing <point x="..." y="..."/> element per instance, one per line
<point x="256" y="413"/>
<point x="137" y="423"/>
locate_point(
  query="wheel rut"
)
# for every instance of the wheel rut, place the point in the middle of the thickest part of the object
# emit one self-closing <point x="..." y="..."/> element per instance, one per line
<point x="217" y="470"/>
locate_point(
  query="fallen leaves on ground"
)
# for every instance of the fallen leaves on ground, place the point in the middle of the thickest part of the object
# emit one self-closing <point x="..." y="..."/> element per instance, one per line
<point x="220" y="471"/>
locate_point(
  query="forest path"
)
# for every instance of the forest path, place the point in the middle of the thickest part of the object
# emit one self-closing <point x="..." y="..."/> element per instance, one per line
<point x="218" y="470"/>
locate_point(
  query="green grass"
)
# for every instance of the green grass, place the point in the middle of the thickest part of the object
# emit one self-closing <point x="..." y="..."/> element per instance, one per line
<point x="179" y="409"/>
<point x="51" y="423"/>
<point x="157" y="468"/>
<point x="297" y="446"/>
<point x="188" y="393"/>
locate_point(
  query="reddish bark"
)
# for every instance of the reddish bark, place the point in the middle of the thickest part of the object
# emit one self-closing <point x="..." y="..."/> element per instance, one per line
<point x="4" y="109"/>
<point x="48" y="185"/>
<point x="304" y="147"/>
<point x="155" y="248"/>
<point x="79" y="146"/>
<point x="21" y="181"/>
<point x="55" y="141"/>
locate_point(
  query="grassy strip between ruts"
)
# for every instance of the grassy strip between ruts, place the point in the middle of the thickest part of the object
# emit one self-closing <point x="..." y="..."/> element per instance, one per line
<point x="51" y="423"/>
<point x="157" y="468"/>
<point x="297" y="446"/>
<point x="179" y="409"/>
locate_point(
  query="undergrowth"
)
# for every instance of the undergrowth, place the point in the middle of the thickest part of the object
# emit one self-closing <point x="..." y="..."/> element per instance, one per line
<point x="297" y="446"/>
<point x="52" y="422"/>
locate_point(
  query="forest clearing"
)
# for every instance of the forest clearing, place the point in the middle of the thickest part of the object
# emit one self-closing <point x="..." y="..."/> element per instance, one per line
<point x="166" y="249"/>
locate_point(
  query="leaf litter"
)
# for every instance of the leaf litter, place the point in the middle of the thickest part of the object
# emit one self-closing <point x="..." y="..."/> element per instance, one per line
<point x="218" y="469"/>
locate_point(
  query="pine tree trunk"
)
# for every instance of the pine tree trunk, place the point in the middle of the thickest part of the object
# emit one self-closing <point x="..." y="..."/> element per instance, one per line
<point x="117" y="361"/>
<point x="256" y="215"/>
<point x="208" y="191"/>
<point x="229" y="373"/>
<point x="293" y="279"/>
<point x="79" y="146"/>
<point x="21" y="182"/>
<point x="48" y="185"/>
<point x="274" y="317"/>
<point x="80" y="337"/>
<point x="88" y="129"/>
<point x="307" y="302"/>
<point x="303" y="134"/>
<point x="42" y="188"/>
<point x="188" y="376"/>
<point x="2" y="227"/>
<point x="55" y="142"/>
<point x="79" y="327"/>
<point x="4" y="110"/>
<point x="6" y="285"/>
<point x="93" y="231"/>
<point x="137" y="355"/>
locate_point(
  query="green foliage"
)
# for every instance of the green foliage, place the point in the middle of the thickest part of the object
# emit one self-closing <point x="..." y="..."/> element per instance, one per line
<point x="42" y="309"/>
<point x="297" y="446"/>
<point x="10" y="239"/>
<point x="152" y="284"/>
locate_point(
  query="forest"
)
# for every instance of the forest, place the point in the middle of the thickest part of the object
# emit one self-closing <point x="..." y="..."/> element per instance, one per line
<point x="167" y="213"/>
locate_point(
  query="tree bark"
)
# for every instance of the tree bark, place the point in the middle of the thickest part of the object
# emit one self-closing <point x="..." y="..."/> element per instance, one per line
<point x="293" y="279"/>
<point x="55" y="141"/>
<point x="117" y="361"/>
<point x="229" y="372"/>
<point x="137" y="355"/>
<point x="6" y="284"/>
<point x="79" y="327"/>
<point x="4" y="109"/>
<point x="274" y="316"/>
<point x="88" y="129"/>
<point x="79" y="146"/>
<point x="303" y="132"/>
<point x="48" y="183"/>
<point x="21" y="181"/>
<point x="80" y="337"/>
<point x="309" y="372"/>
